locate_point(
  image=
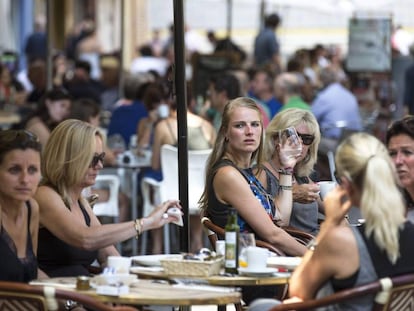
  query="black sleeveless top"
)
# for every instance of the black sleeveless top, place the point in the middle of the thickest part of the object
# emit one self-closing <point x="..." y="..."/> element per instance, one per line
<point x="13" y="268"/>
<point x="218" y="211"/>
<point x="57" y="258"/>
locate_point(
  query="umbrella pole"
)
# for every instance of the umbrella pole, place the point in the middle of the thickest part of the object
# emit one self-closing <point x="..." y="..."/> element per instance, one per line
<point x="181" y="99"/>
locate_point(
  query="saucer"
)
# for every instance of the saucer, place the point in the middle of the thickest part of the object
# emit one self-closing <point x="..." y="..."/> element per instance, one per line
<point x="262" y="272"/>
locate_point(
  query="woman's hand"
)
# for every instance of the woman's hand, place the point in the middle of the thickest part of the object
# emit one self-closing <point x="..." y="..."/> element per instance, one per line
<point x="159" y="216"/>
<point x="337" y="205"/>
<point x="305" y="193"/>
<point x="287" y="160"/>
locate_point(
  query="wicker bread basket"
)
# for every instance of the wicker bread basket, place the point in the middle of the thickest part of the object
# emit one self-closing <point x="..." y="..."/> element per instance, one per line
<point x="186" y="267"/>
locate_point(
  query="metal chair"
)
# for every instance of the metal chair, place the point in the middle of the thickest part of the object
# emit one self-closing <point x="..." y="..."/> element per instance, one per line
<point x="15" y="296"/>
<point x="390" y="294"/>
<point x="214" y="232"/>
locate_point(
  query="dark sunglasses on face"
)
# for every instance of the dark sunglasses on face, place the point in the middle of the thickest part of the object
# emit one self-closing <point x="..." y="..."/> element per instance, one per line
<point x="307" y="139"/>
<point x="96" y="158"/>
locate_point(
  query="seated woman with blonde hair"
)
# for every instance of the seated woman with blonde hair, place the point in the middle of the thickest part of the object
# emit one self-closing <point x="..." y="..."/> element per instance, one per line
<point x="70" y="236"/>
<point x="344" y="256"/>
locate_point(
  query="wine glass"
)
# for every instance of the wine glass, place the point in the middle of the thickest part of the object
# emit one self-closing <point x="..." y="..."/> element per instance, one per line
<point x="245" y="240"/>
<point x="290" y="145"/>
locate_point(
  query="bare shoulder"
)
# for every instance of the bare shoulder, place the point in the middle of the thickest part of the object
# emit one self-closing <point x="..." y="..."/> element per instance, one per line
<point x="46" y="196"/>
<point x="228" y="179"/>
<point x="34" y="206"/>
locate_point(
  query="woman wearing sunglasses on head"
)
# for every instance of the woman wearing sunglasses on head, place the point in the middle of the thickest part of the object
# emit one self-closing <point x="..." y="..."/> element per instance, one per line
<point x="286" y="178"/>
<point x="70" y="236"/>
<point x="19" y="213"/>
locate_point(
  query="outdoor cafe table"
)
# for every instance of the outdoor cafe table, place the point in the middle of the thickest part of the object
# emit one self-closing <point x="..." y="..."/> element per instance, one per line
<point x="218" y="279"/>
<point x="153" y="292"/>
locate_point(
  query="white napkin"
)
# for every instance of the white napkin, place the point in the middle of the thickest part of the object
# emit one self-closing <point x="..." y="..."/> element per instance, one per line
<point x="175" y="211"/>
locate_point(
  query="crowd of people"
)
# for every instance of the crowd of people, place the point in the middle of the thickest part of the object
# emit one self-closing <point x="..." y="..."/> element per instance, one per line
<point x="70" y="132"/>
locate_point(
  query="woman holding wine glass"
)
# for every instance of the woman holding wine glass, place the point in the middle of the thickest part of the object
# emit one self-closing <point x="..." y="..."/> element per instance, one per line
<point x="231" y="181"/>
<point x="298" y="131"/>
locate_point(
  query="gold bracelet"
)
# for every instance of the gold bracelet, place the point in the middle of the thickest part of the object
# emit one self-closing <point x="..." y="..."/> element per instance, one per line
<point x="138" y="223"/>
<point x="283" y="187"/>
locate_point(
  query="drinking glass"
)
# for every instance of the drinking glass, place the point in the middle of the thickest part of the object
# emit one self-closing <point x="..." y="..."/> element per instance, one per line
<point x="291" y="146"/>
<point x="245" y="240"/>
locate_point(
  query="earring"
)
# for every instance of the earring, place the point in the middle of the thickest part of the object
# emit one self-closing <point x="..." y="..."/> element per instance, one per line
<point x="226" y="139"/>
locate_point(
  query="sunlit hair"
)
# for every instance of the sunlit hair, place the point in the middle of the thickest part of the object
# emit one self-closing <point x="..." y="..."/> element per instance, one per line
<point x="17" y="139"/>
<point x="220" y="146"/>
<point x="293" y="117"/>
<point x="364" y="161"/>
<point x="67" y="155"/>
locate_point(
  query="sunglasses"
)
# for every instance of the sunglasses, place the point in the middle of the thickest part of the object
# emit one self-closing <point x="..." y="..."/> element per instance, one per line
<point x="97" y="158"/>
<point x="17" y="135"/>
<point x="307" y="139"/>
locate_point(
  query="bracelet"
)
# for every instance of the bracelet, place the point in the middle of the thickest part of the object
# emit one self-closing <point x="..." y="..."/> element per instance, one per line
<point x="312" y="245"/>
<point x="70" y="305"/>
<point x="138" y="223"/>
<point x="285" y="171"/>
<point x="283" y="187"/>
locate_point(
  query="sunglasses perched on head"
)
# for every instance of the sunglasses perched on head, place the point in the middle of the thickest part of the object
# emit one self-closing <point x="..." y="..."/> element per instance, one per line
<point x="21" y="135"/>
<point x="96" y="158"/>
<point x="307" y="139"/>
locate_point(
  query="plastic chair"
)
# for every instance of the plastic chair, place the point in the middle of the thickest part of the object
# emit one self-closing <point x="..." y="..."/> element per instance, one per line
<point x="391" y="294"/>
<point x="110" y="207"/>
<point x="168" y="187"/>
<point x="23" y="297"/>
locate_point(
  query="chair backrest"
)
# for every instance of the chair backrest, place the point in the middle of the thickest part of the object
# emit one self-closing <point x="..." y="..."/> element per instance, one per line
<point x="110" y="207"/>
<point x="25" y="297"/>
<point x="197" y="160"/>
<point x="213" y="232"/>
<point x="391" y="294"/>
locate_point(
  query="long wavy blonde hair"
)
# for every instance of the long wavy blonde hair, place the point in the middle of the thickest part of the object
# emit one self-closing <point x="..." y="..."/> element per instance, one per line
<point x="220" y="145"/>
<point x="364" y="160"/>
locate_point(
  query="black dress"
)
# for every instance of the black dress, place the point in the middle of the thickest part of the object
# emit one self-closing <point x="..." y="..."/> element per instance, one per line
<point x="13" y="268"/>
<point x="57" y="258"/>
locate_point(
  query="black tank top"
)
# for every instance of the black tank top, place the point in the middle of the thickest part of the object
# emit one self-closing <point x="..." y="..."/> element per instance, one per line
<point x="13" y="268"/>
<point x="57" y="258"/>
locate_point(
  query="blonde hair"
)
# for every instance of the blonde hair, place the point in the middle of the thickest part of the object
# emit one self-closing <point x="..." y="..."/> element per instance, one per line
<point x="364" y="160"/>
<point x="219" y="147"/>
<point x="293" y="117"/>
<point x="67" y="155"/>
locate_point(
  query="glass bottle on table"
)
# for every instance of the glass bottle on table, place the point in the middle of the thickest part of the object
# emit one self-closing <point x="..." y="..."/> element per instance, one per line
<point x="232" y="229"/>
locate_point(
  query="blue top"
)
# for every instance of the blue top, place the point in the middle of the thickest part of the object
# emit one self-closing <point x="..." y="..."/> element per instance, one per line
<point x="124" y="120"/>
<point x="336" y="103"/>
<point x="274" y="106"/>
<point x="265" y="46"/>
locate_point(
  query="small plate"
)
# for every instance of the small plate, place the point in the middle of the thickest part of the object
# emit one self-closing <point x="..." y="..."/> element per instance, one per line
<point x="289" y="263"/>
<point x="153" y="260"/>
<point x="264" y="272"/>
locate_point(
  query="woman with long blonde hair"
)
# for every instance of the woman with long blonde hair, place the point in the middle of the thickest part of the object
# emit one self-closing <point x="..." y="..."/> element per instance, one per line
<point x="344" y="256"/>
